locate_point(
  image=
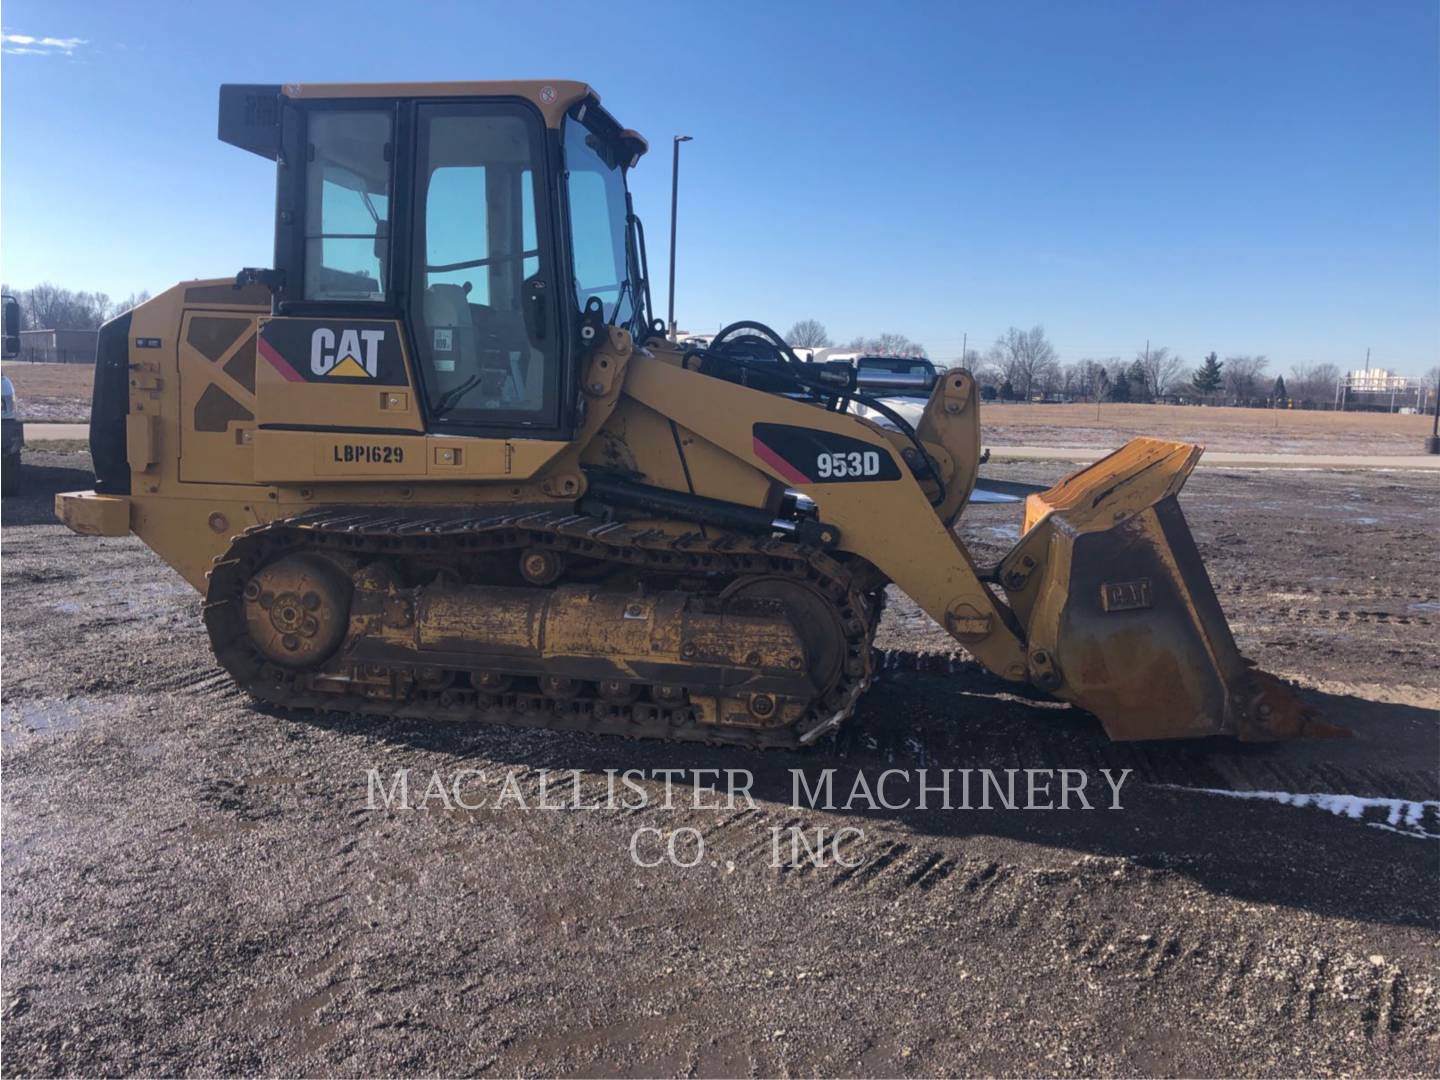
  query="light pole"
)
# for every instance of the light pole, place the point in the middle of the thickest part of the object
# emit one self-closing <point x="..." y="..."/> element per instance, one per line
<point x="674" y="200"/>
<point x="1432" y="444"/>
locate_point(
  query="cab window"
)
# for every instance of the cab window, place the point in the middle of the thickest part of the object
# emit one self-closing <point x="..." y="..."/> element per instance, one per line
<point x="347" y="204"/>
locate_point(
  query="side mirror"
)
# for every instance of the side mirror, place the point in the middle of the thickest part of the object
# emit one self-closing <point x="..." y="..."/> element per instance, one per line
<point x="12" y="328"/>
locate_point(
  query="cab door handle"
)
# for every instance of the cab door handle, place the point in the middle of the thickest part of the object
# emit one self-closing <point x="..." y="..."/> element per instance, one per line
<point x="535" y="309"/>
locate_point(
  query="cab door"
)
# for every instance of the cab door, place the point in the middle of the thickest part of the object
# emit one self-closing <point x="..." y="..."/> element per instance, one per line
<point x="334" y="362"/>
<point x="482" y="300"/>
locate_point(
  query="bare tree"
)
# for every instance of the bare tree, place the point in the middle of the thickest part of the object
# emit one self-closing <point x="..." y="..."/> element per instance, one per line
<point x="50" y="307"/>
<point x="43" y="305"/>
<point x="1089" y="380"/>
<point x="1050" y="380"/>
<point x="809" y="334"/>
<point x="1026" y="357"/>
<point x="1162" y="370"/>
<point x="1326" y="378"/>
<point x="897" y="345"/>
<point x="887" y="345"/>
<point x="972" y="362"/>
<point x="1242" y="377"/>
<point x="986" y="372"/>
<point x="1313" y="384"/>
<point x="134" y="300"/>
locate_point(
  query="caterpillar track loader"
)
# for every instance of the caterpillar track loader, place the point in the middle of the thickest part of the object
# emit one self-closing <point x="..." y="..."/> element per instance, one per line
<point x="440" y="461"/>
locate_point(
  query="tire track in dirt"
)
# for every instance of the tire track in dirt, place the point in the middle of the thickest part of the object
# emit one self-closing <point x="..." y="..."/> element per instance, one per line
<point x="1020" y="733"/>
<point x="1305" y="591"/>
<point x="1243" y="975"/>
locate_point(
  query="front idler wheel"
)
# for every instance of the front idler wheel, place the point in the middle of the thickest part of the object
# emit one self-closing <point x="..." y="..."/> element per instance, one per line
<point x="297" y="610"/>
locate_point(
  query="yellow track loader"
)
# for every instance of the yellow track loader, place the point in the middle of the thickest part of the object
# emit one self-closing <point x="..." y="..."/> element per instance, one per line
<point x="441" y="461"/>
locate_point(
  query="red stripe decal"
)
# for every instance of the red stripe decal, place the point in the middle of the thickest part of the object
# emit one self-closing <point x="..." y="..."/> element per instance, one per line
<point x="779" y="464"/>
<point x="279" y="363"/>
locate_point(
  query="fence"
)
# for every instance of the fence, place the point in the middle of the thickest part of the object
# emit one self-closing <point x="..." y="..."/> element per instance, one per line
<point x="58" y="346"/>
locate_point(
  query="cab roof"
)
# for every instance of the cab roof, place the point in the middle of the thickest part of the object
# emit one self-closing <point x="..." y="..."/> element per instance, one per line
<point x="551" y="96"/>
<point x="243" y="106"/>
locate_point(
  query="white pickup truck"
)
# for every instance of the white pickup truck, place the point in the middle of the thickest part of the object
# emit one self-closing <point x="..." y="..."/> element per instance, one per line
<point x="11" y="428"/>
<point x="897" y="374"/>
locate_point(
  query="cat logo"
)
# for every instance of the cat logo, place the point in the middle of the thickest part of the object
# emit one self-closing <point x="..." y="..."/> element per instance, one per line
<point x="356" y="357"/>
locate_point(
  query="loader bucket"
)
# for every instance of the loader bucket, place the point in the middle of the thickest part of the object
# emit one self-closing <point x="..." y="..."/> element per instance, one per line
<point x="1119" y="614"/>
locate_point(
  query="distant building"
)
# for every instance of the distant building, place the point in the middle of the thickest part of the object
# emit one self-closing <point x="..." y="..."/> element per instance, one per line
<point x="58" y="346"/>
<point x="1375" y="389"/>
<point x="1375" y="381"/>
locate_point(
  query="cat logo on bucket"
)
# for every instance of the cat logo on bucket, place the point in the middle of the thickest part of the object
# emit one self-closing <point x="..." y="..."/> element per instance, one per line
<point x="355" y="356"/>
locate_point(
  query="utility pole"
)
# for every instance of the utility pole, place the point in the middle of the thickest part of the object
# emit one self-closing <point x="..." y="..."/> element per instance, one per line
<point x="674" y="201"/>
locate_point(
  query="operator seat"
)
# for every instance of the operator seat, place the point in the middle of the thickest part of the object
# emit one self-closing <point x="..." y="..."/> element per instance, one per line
<point x="465" y="340"/>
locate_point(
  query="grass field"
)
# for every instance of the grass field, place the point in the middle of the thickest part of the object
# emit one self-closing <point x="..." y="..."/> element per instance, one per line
<point x="55" y="393"/>
<point x="61" y="392"/>
<point x="1219" y="428"/>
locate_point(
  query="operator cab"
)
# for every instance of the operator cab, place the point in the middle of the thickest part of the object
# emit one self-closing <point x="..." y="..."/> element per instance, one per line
<point x="486" y="219"/>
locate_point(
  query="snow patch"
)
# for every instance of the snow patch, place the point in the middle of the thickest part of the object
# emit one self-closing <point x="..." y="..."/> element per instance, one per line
<point x="1403" y="816"/>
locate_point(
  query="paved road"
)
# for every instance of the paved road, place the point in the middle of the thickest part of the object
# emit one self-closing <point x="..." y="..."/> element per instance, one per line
<point x="1233" y="458"/>
<point x="36" y="433"/>
<point x="49" y="432"/>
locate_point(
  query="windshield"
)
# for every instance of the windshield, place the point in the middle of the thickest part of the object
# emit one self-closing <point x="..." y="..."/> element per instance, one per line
<point x="595" y="188"/>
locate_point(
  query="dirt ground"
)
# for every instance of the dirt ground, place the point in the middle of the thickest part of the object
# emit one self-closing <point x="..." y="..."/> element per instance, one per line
<point x="51" y="393"/>
<point x="1283" y="431"/>
<point x="193" y="885"/>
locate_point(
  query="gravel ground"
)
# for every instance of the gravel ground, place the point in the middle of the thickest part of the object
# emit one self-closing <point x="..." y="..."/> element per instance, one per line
<point x="195" y="886"/>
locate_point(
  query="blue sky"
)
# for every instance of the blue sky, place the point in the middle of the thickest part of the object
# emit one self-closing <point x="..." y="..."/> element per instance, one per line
<point x="1255" y="177"/>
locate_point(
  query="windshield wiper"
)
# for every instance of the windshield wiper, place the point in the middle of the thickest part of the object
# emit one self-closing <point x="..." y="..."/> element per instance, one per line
<point x="619" y="299"/>
<point x="451" y="397"/>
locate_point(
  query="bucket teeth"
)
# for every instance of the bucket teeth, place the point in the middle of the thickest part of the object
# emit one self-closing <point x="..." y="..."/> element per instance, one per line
<point x="1274" y="711"/>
